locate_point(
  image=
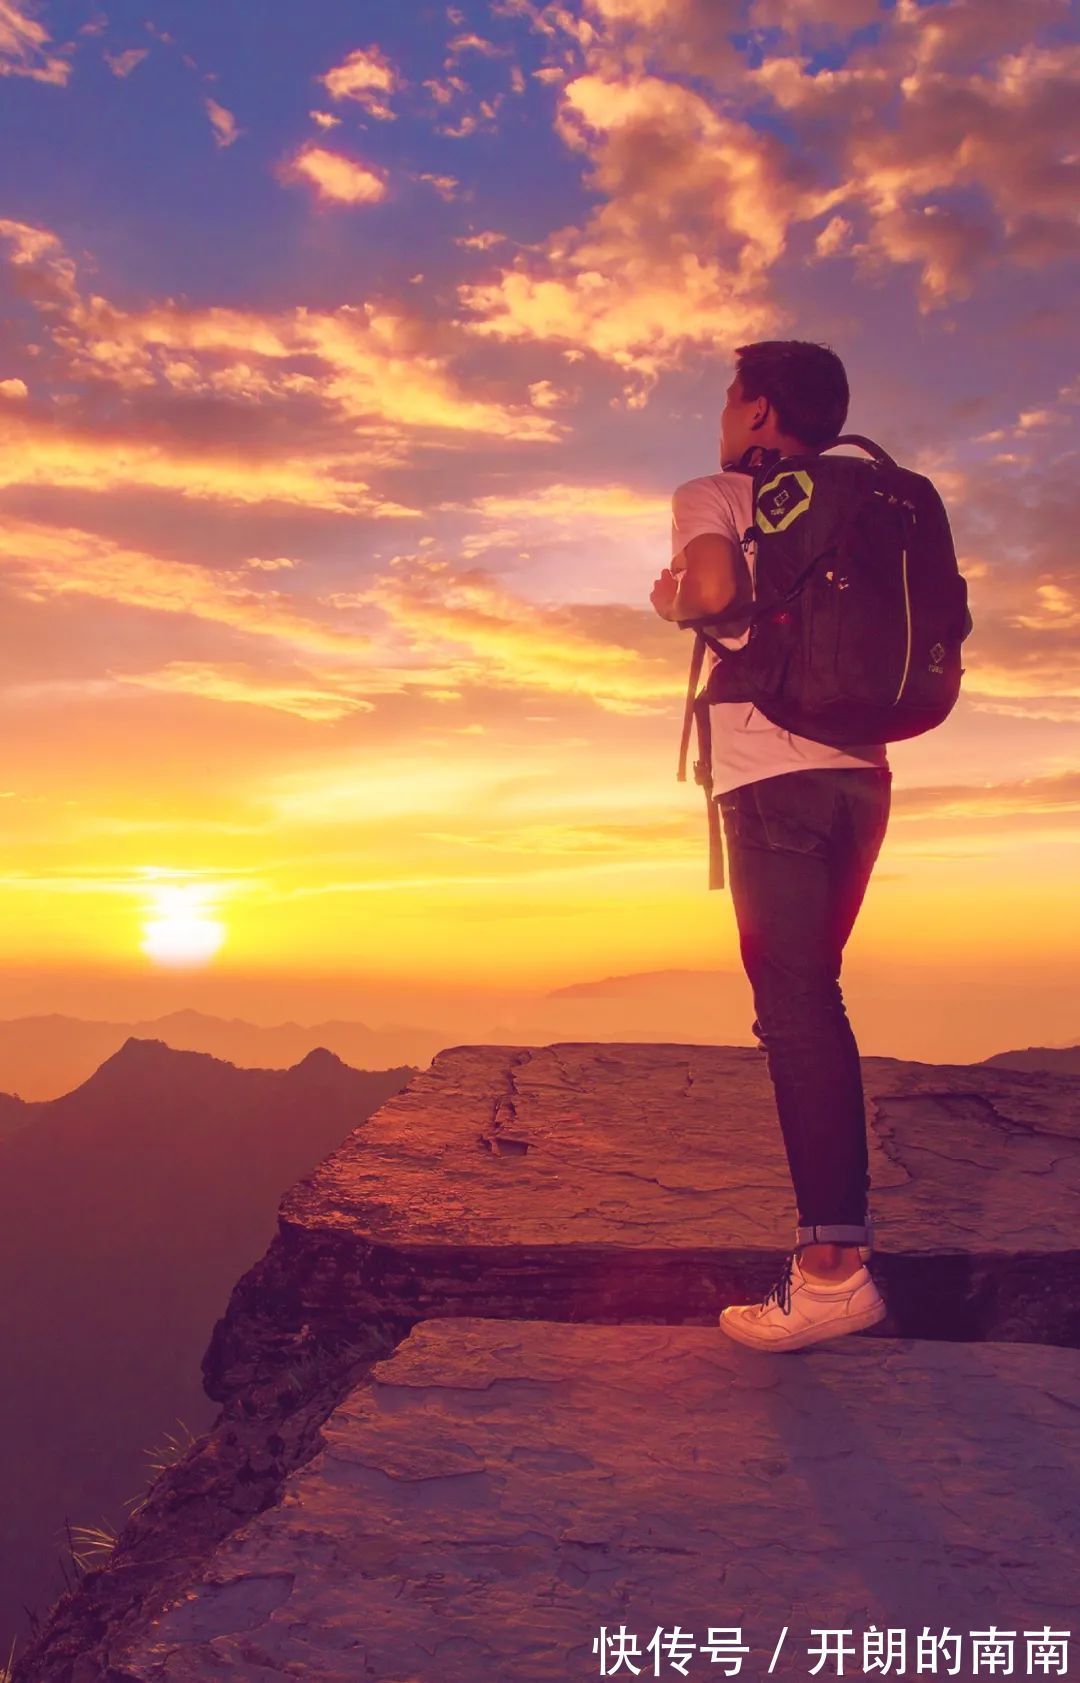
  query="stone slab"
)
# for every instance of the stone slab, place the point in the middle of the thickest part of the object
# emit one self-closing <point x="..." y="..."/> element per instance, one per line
<point x="611" y="1182"/>
<point x="600" y="1143"/>
<point x="498" y="1492"/>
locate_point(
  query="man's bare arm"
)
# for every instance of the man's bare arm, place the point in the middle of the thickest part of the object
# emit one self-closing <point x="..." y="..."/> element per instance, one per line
<point x="715" y="582"/>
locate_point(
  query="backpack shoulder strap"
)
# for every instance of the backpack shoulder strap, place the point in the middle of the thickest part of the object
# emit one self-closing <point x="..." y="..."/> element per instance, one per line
<point x="696" y="660"/>
<point x="867" y="444"/>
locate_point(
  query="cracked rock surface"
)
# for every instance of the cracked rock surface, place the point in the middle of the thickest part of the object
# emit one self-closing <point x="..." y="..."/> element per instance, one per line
<point x="628" y="1182"/>
<point x="496" y="1493"/>
<point x="586" y="1143"/>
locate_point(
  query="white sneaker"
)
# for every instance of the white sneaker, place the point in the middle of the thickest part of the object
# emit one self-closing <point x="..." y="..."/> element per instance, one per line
<point x="798" y="1311"/>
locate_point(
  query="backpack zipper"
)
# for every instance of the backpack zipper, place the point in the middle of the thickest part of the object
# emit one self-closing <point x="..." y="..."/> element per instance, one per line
<point x="907" y="615"/>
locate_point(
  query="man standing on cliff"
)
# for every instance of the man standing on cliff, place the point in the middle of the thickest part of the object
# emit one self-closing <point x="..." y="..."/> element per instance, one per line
<point x="803" y="822"/>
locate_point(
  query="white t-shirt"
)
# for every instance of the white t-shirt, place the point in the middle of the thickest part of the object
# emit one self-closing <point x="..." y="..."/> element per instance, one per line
<point x="746" y="745"/>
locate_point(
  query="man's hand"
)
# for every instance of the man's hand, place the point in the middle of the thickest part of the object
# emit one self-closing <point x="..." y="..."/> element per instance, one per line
<point x="664" y="594"/>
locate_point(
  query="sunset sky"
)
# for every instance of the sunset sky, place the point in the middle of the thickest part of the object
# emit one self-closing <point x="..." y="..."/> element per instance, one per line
<point x="349" y="356"/>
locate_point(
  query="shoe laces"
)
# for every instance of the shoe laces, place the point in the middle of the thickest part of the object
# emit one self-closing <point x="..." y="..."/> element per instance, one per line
<point x="780" y="1291"/>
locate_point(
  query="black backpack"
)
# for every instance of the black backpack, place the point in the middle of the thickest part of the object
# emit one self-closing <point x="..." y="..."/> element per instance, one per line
<point x="859" y="607"/>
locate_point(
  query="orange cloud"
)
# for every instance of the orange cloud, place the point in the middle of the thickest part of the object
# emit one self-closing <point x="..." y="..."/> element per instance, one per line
<point x="1022" y="657"/>
<point x="638" y="284"/>
<point x="1024" y="799"/>
<point x="365" y="76"/>
<point x="621" y="528"/>
<point x="336" y="179"/>
<point x="918" y="119"/>
<point x="596" y="505"/>
<point x="46" y="275"/>
<point x="474" y="44"/>
<point x="445" y="185"/>
<point x="222" y="122"/>
<point x="644" y="14"/>
<point x="945" y="99"/>
<point x="37" y="452"/>
<point x="442" y="630"/>
<point x="251" y="685"/>
<point x="834" y="238"/>
<point x="514" y="644"/>
<point x="42" y="563"/>
<point x="122" y="64"/>
<point x="1020" y="660"/>
<point x="443" y="92"/>
<point x="545" y="395"/>
<point x="24" y="48"/>
<point x="810" y="19"/>
<point x="480" y="242"/>
<point x="377" y="369"/>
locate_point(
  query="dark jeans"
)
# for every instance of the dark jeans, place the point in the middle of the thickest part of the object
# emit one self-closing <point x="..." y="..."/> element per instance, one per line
<point x="801" y="847"/>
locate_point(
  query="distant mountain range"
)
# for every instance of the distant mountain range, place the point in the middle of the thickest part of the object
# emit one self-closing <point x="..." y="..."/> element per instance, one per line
<point x="42" y="1057"/>
<point x="1055" y="1060"/>
<point x="131" y="1206"/>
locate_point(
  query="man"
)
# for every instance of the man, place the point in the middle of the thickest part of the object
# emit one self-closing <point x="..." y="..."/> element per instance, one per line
<point x="803" y="823"/>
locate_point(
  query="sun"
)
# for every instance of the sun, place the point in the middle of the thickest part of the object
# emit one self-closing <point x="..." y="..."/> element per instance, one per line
<point x="179" y="931"/>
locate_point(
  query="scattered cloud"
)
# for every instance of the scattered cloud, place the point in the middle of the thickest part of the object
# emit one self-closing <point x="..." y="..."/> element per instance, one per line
<point x="376" y="367"/>
<point x="948" y="142"/>
<point x="25" y="48"/>
<point x="43" y="563"/>
<point x="545" y="395"/>
<point x="122" y="64"/>
<point x="693" y="213"/>
<point x="471" y="43"/>
<point x="562" y="501"/>
<point x="335" y="178"/>
<point x="480" y="242"/>
<point x="1031" y="798"/>
<point x="43" y="451"/>
<point x="446" y="186"/>
<point x="443" y="92"/>
<point x="835" y="238"/>
<point x="509" y="643"/>
<point x="252" y="686"/>
<point x="222" y="122"/>
<point x="953" y="166"/>
<point x="365" y="76"/>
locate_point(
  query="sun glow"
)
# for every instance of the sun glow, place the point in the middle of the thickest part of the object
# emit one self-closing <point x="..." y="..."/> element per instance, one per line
<point x="179" y="932"/>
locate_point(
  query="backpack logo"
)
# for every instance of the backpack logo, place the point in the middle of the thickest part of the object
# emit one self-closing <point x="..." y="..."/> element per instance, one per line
<point x="782" y="500"/>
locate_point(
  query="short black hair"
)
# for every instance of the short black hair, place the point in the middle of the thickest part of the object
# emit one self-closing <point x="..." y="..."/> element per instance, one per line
<point x="805" y="383"/>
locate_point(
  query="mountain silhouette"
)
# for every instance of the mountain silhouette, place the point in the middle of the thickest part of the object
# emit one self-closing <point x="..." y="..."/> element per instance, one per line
<point x="131" y="1206"/>
<point x="42" y="1057"/>
<point x="1053" y="1060"/>
<point x="14" y="1114"/>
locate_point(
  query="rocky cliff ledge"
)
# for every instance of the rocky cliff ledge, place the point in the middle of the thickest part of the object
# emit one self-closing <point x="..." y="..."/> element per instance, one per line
<point x="475" y="1409"/>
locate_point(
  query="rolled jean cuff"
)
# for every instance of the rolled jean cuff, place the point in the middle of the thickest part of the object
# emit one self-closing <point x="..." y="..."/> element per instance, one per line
<point x="835" y="1233"/>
